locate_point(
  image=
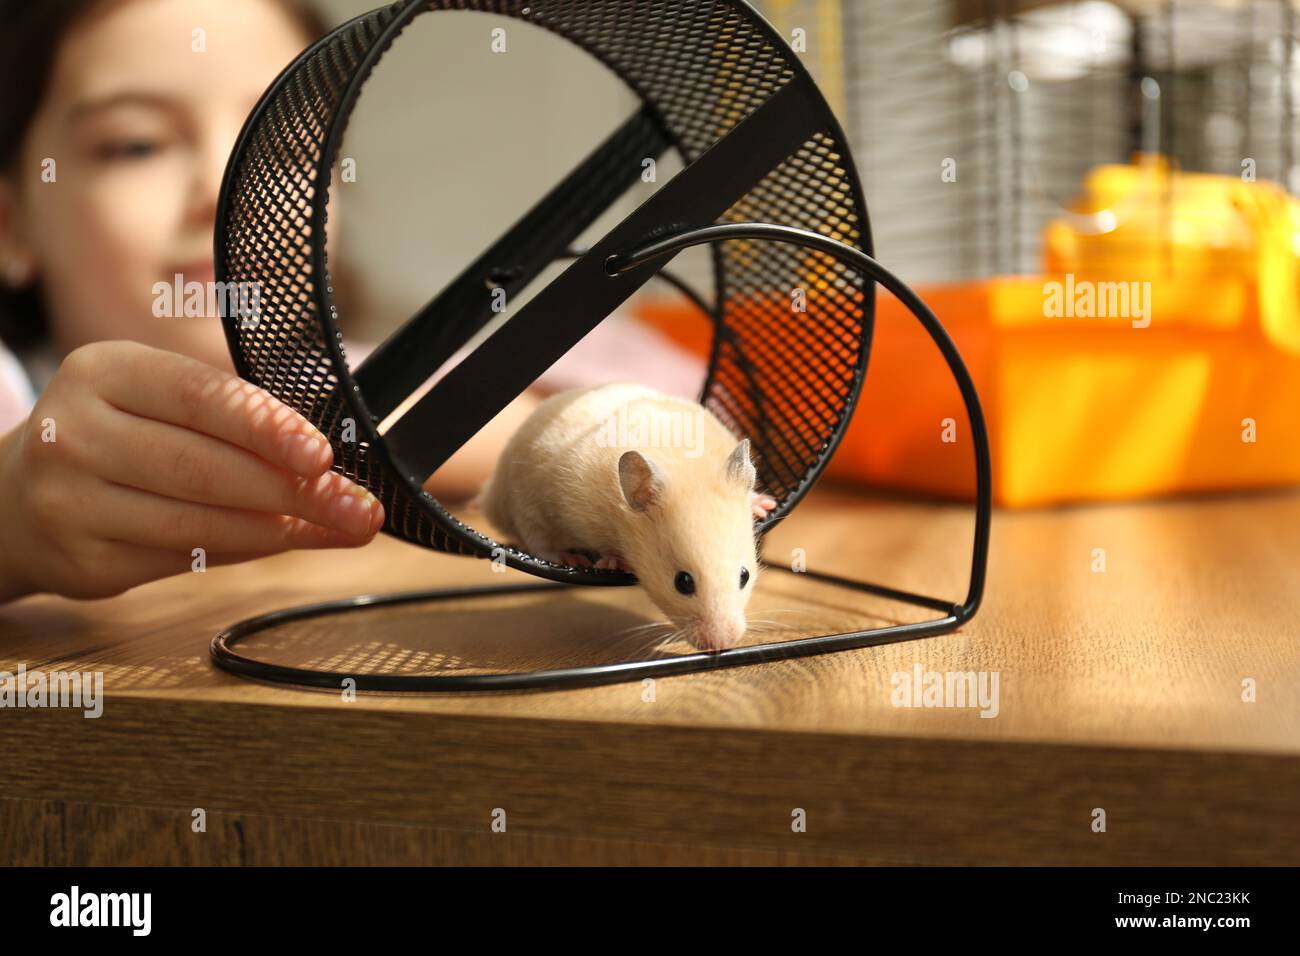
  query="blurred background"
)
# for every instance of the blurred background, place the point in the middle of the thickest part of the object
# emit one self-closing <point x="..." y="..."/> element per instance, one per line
<point x="1098" y="199"/>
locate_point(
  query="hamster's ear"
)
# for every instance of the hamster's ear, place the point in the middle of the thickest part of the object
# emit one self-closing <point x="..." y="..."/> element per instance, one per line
<point x="739" y="469"/>
<point x="641" y="480"/>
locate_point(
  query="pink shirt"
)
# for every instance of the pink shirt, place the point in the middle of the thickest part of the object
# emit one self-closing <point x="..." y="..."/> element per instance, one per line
<point x="620" y="349"/>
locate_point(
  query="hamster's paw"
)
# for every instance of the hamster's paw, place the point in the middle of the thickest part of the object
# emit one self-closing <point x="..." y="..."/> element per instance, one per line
<point x="572" y="558"/>
<point x="613" y="562"/>
<point x="763" y="505"/>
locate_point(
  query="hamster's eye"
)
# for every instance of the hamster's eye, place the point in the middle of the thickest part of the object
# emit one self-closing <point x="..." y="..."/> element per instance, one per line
<point x="684" y="583"/>
<point x="744" y="577"/>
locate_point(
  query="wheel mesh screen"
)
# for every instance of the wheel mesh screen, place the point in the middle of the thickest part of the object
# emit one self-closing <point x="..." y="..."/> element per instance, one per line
<point x="781" y="376"/>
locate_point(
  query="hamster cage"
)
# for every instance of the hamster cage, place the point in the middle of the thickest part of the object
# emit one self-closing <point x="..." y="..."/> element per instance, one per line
<point x="1013" y="148"/>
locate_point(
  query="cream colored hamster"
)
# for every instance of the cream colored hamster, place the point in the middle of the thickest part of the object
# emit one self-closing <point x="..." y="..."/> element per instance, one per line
<point x="621" y="476"/>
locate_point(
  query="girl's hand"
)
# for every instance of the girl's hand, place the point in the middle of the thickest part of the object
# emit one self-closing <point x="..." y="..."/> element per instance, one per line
<point x="153" y="455"/>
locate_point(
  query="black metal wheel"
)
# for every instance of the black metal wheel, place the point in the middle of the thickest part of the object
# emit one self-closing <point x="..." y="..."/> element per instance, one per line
<point x="762" y="154"/>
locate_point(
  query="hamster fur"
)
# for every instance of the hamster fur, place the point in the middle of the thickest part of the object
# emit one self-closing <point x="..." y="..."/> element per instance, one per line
<point x="577" y="484"/>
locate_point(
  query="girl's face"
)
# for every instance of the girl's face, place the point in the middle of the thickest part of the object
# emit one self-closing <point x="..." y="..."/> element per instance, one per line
<point x="143" y="107"/>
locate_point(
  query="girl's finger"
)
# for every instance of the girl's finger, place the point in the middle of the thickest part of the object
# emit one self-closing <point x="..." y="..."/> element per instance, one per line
<point x="186" y="465"/>
<point x="156" y="521"/>
<point x="172" y="388"/>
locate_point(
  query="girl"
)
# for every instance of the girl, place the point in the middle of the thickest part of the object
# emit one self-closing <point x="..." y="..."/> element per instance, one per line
<point x="128" y="441"/>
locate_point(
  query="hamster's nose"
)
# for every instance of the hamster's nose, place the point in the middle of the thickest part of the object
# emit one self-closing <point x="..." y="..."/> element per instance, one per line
<point x="718" y="635"/>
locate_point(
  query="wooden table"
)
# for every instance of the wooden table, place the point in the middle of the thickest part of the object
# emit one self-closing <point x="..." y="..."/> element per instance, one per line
<point x="1120" y="690"/>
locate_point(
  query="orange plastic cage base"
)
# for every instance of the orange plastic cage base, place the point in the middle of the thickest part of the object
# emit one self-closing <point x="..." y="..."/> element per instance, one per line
<point x="1078" y="408"/>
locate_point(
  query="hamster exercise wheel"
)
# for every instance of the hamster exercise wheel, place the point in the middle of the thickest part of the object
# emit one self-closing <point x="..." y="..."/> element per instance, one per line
<point x="766" y="179"/>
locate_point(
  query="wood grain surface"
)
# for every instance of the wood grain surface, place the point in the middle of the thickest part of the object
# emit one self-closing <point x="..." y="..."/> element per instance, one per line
<point x="1120" y="690"/>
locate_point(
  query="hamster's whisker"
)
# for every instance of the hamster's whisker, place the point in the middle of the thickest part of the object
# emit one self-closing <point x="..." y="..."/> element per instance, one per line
<point x="638" y="636"/>
<point x="640" y="627"/>
<point x="675" y="635"/>
<point x="655" y="641"/>
<point x="769" y="631"/>
<point x="648" y="631"/>
<point x="770" y="621"/>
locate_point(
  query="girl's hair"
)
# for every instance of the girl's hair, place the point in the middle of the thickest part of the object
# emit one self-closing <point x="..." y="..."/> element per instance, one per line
<point x="30" y="34"/>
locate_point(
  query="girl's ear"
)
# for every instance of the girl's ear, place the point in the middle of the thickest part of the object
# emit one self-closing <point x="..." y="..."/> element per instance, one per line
<point x="641" y="480"/>
<point x="17" y="264"/>
<point x="739" y="470"/>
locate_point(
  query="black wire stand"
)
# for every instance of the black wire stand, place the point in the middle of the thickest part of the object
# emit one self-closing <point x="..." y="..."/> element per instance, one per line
<point x="786" y="156"/>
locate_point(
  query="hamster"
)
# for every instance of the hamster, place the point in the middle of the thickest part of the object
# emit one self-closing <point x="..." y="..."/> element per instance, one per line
<point x="623" y="477"/>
